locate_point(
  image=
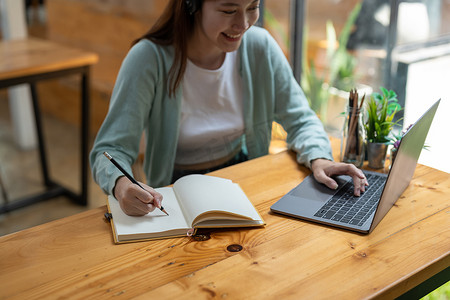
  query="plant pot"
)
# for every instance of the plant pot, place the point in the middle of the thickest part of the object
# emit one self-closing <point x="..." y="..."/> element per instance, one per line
<point x="393" y="156"/>
<point x="376" y="154"/>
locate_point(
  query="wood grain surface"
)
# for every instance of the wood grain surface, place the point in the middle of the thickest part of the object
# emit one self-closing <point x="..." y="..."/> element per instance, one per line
<point x="32" y="56"/>
<point x="75" y="257"/>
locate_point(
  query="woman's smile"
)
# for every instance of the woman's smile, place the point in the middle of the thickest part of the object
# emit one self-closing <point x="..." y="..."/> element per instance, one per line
<point x="232" y="37"/>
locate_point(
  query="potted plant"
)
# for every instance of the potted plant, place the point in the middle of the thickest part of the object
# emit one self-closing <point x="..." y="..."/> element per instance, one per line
<point x="381" y="110"/>
<point x="328" y="94"/>
<point x="395" y="142"/>
<point x="342" y="63"/>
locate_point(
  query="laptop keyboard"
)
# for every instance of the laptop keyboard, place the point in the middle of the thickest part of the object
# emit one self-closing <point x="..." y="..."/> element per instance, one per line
<point x="347" y="208"/>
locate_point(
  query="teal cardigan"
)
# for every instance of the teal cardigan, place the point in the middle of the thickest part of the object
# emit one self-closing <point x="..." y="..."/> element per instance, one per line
<point x="140" y="103"/>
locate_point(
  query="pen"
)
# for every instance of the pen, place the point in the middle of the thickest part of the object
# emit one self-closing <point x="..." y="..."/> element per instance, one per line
<point x="128" y="176"/>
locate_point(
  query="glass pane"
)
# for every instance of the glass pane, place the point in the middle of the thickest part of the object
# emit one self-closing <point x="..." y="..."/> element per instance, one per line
<point x="276" y="21"/>
<point x="400" y="45"/>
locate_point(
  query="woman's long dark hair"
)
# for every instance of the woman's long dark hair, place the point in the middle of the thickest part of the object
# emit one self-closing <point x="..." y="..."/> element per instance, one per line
<point x="173" y="27"/>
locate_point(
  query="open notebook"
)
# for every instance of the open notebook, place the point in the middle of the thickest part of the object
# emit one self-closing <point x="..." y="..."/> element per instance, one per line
<point x="194" y="201"/>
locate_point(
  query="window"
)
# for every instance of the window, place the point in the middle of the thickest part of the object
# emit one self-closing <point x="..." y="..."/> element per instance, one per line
<point x="400" y="45"/>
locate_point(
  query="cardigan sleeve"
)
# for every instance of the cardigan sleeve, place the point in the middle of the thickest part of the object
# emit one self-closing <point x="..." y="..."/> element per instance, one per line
<point x="305" y="132"/>
<point x="130" y="105"/>
<point x="284" y="100"/>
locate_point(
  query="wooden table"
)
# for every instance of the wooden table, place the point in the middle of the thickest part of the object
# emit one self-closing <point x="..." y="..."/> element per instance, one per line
<point x="30" y="61"/>
<point x="75" y="257"/>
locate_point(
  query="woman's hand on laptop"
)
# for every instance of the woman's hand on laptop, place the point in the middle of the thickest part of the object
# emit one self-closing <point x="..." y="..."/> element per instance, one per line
<point x="323" y="169"/>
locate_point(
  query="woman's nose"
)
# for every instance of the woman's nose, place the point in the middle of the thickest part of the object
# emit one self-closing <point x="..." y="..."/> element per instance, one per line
<point x="241" y="22"/>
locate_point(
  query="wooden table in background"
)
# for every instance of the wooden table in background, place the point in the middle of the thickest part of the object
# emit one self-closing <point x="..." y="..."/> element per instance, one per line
<point x="75" y="257"/>
<point x="30" y="61"/>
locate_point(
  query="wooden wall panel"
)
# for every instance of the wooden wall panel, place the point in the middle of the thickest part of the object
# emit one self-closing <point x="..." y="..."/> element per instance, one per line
<point x="106" y="27"/>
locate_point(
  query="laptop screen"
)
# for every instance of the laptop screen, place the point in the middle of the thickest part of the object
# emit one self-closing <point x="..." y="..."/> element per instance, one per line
<point x="405" y="163"/>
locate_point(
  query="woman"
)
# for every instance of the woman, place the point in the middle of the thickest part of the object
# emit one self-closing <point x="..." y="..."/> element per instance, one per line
<point x="205" y="86"/>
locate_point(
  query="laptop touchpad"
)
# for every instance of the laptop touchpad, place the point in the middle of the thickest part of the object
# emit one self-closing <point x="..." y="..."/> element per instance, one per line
<point x="312" y="190"/>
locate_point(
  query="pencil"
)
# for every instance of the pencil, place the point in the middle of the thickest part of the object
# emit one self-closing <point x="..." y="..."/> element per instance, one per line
<point x="128" y="176"/>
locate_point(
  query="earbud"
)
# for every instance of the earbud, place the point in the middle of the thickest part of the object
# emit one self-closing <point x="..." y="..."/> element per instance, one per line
<point x="192" y="6"/>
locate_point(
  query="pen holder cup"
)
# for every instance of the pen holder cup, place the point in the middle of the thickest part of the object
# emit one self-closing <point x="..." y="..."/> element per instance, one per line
<point x="352" y="141"/>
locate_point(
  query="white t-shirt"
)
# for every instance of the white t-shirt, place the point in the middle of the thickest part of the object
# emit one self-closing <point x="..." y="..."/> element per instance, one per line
<point x="212" y="118"/>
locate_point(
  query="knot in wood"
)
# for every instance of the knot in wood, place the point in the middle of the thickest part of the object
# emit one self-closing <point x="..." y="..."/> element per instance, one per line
<point x="234" y="248"/>
<point x="201" y="237"/>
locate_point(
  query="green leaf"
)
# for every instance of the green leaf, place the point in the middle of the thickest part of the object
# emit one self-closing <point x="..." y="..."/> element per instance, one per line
<point x="331" y="40"/>
<point x="347" y="29"/>
<point x="381" y="110"/>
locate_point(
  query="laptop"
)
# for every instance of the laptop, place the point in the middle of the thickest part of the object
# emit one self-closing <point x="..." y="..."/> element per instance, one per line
<point x="313" y="201"/>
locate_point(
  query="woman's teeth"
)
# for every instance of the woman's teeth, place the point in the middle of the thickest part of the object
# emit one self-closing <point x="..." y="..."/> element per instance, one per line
<point x="232" y="36"/>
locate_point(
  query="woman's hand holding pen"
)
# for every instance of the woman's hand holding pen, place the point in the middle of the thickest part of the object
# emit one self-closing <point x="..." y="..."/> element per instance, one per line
<point x="135" y="201"/>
